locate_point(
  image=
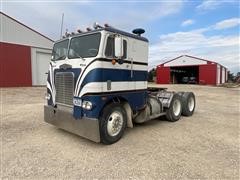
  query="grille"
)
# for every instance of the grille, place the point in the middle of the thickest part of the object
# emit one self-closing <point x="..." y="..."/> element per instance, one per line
<point x="64" y="88"/>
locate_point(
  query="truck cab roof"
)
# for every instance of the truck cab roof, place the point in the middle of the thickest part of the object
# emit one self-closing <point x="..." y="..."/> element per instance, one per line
<point x="113" y="30"/>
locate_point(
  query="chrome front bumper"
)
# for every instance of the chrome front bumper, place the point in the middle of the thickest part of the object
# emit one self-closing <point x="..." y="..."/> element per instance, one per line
<point x="62" y="117"/>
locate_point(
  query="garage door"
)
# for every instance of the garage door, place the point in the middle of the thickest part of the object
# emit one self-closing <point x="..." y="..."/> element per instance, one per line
<point x="42" y="66"/>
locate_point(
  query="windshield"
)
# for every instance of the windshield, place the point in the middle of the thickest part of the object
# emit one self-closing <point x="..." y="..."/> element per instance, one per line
<point x="84" y="46"/>
<point x="60" y="50"/>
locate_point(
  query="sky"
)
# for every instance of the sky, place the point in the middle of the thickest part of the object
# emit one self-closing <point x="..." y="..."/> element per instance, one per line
<point x="206" y="29"/>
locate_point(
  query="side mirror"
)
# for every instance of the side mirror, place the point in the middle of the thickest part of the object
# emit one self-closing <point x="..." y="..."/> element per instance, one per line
<point x="118" y="42"/>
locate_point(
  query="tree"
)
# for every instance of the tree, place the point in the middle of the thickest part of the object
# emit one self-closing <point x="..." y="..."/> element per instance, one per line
<point x="151" y="75"/>
<point x="237" y="78"/>
<point x="231" y="77"/>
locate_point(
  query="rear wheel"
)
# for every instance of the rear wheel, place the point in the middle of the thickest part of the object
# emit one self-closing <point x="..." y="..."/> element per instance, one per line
<point x="112" y="123"/>
<point x="173" y="113"/>
<point x="189" y="103"/>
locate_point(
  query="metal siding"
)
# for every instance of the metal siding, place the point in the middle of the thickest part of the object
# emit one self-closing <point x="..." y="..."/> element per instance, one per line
<point x="185" y="61"/>
<point x="14" y="32"/>
<point x="15" y="65"/>
<point x="207" y="74"/>
<point x="226" y="77"/>
<point x="218" y="74"/>
<point x="223" y="75"/>
<point x="163" y="75"/>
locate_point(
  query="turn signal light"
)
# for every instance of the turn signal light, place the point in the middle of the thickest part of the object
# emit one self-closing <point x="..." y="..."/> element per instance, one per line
<point x="114" y="61"/>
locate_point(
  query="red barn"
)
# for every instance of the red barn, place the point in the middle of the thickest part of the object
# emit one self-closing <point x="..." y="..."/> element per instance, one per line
<point x="24" y="54"/>
<point x="188" y="69"/>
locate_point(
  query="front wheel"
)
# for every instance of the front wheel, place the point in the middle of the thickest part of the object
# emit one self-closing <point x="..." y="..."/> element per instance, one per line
<point x="112" y="123"/>
<point x="173" y="113"/>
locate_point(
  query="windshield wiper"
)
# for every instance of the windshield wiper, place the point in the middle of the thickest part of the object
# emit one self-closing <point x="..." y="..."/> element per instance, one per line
<point x="78" y="56"/>
<point x="60" y="58"/>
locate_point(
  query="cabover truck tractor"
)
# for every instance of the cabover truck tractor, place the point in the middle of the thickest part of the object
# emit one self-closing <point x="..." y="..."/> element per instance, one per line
<point x="97" y="85"/>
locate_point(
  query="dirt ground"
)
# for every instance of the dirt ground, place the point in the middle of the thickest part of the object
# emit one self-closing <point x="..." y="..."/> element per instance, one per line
<point x="205" y="145"/>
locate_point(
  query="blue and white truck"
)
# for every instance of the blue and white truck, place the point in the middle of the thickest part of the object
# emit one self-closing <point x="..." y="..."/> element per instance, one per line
<point x="97" y="85"/>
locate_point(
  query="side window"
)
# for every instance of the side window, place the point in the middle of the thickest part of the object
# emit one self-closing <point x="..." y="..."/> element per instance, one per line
<point x="124" y="49"/>
<point x="109" y="51"/>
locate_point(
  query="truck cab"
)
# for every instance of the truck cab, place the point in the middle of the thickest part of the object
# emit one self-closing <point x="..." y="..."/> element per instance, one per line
<point x="97" y="85"/>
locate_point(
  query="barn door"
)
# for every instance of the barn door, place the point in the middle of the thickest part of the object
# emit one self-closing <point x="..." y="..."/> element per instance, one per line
<point x="42" y="62"/>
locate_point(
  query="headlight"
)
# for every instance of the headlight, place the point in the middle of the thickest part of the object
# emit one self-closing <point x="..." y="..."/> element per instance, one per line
<point x="87" y="105"/>
<point x="77" y="102"/>
<point x="47" y="96"/>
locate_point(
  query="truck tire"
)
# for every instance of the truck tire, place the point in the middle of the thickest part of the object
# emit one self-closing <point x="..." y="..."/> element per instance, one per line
<point x="173" y="113"/>
<point x="188" y="103"/>
<point x="113" y="122"/>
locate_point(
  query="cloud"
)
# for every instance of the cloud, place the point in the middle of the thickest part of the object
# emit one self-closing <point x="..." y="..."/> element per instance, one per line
<point x="209" y="4"/>
<point x="187" y="22"/>
<point x="228" y="23"/>
<point x="213" y="4"/>
<point x="219" y="48"/>
<point x="46" y="16"/>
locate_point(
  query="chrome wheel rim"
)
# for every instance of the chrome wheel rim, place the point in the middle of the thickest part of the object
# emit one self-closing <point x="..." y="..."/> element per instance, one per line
<point x="191" y="104"/>
<point x="176" y="107"/>
<point x="115" y="123"/>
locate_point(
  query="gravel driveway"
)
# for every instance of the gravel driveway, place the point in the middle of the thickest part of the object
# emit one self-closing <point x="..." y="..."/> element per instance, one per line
<point x="205" y="145"/>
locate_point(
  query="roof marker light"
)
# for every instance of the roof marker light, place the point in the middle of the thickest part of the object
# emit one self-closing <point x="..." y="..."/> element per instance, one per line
<point x="66" y="33"/>
<point x="79" y="31"/>
<point x="96" y="25"/>
<point x="89" y="29"/>
<point x="106" y="25"/>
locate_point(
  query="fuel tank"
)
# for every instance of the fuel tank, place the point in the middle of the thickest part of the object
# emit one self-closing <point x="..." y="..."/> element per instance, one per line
<point x="152" y="110"/>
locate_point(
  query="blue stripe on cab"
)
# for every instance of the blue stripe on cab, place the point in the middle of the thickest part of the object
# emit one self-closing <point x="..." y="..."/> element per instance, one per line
<point x="136" y="100"/>
<point x="103" y="75"/>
